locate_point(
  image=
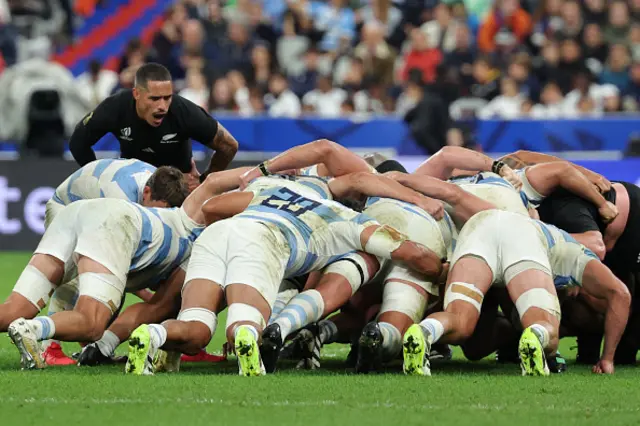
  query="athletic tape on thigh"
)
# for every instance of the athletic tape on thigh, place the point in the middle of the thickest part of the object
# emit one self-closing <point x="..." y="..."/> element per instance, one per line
<point x="242" y="312"/>
<point x="384" y="241"/>
<point x="34" y="286"/>
<point x="538" y="298"/>
<point x="205" y="316"/>
<point x="525" y="265"/>
<point x="398" y="297"/>
<point x="353" y="268"/>
<point x="465" y="292"/>
<point x="105" y="288"/>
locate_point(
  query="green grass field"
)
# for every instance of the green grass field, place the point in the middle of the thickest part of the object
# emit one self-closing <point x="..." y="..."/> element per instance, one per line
<point x="459" y="393"/>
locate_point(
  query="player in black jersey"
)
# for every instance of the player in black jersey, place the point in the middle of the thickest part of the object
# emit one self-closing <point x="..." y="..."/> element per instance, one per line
<point x="154" y="125"/>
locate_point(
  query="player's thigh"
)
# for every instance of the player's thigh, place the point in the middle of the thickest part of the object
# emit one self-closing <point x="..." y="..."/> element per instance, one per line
<point x="257" y="258"/>
<point x="478" y="239"/>
<point x="52" y="209"/>
<point x="534" y="294"/>
<point x="355" y="269"/>
<point x="60" y="238"/>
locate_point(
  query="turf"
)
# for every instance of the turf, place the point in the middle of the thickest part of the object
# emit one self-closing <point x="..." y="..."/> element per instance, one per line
<point x="459" y="393"/>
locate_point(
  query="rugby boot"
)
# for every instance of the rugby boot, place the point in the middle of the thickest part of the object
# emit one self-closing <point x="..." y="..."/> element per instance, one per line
<point x="142" y="352"/>
<point x="440" y="352"/>
<point x="54" y="355"/>
<point x="557" y="364"/>
<point x="308" y="347"/>
<point x="91" y="356"/>
<point x="248" y="353"/>
<point x="369" y="349"/>
<point x="415" y="352"/>
<point x="533" y="361"/>
<point x="24" y="337"/>
<point x="270" y="347"/>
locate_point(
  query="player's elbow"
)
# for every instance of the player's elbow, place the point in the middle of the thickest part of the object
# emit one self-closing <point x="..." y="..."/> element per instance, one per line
<point x="619" y="295"/>
<point x="326" y="148"/>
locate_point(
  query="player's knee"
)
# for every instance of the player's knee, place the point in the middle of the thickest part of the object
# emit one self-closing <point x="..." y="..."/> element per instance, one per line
<point x="538" y="298"/>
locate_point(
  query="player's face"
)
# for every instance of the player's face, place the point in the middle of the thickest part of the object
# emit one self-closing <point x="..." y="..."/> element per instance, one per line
<point x="147" y="201"/>
<point x="152" y="102"/>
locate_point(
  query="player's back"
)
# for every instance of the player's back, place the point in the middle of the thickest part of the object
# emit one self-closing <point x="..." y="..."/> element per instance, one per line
<point x="167" y="235"/>
<point x="310" y="225"/>
<point x="106" y="178"/>
<point x="307" y="185"/>
<point x="495" y="190"/>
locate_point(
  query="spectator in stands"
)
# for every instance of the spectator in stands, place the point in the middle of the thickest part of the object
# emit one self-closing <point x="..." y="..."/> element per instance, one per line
<point x="354" y="76"/>
<point x="166" y="42"/>
<point x="215" y="26"/>
<point x="256" y="102"/>
<point x="371" y="99"/>
<point x="460" y="14"/>
<point x="221" y="99"/>
<point x="571" y="62"/>
<point x="97" y="83"/>
<point x="546" y="21"/>
<point x="291" y="47"/>
<point x="8" y="35"/>
<point x="194" y="52"/>
<point x="280" y="101"/>
<point x="334" y="19"/>
<point x="378" y="57"/>
<point x="441" y="31"/>
<point x="611" y="101"/>
<point x="617" y="30"/>
<point x="324" y="100"/>
<point x="586" y="107"/>
<point x="235" y="51"/>
<point x="616" y="70"/>
<point x="572" y="21"/>
<point x="238" y="11"/>
<point x="506" y="26"/>
<point x="585" y="90"/>
<point x="634" y="37"/>
<point x="632" y="92"/>
<point x="507" y="104"/>
<point x="262" y="66"/>
<point x="240" y="91"/>
<point x="462" y="57"/>
<point x="595" y="12"/>
<point x="387" y="15"/>
<point x="485" y="79"/>
<point x="421" y="56"/>
<point x="520" y="70"/>
<point x="594" y="48"/>
<point x="307" y="80"/>
<point x="196" y="89"/>
<point x="551" y="105"/>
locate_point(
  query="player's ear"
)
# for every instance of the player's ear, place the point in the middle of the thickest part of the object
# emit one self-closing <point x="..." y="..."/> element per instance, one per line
<point x="146" y="195"/>
<point x="136" y="93"/>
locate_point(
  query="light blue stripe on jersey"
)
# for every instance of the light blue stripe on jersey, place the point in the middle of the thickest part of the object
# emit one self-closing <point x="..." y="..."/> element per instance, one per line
<point x="73" y="197"/>
<point x="492" y="180"/>
<point x="561" y="282"/>
<point x="146" y="236"/>
<point x="57" y="199"/>
<point x="165" y="247"/>
<point x="403" y="204"/>
<point x="526" y="201"/>
<point x="299" y="225"/>
<point x="316" y="188"/>
<point x="550" y="241"/>
<point x="126" y="182"/>
<point x="101" y="166"/>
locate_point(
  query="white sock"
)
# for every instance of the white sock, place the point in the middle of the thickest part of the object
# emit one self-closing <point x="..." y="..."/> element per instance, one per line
<point x="158" y="334"/>
<point x="251" y="328"/>
<point x="108" y="343"/>
<point x="391" y="340"/>
<point x="328" y="332"/>
<point x="433" y="328"/>
<point x="302" y="310"/>
<point x="43" y="327"/>
<point x="278" y="306"/>
<point x="541" y="333"/>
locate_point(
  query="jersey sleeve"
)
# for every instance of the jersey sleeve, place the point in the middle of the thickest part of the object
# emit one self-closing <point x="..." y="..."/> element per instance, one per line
<point x="199" y="124"/>
<point x="91" y="129"/>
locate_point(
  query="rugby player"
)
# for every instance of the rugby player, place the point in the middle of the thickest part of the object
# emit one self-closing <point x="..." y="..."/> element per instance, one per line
<point x="116" y="245"/>
<point x="276" y="233"/>
<point x="486" y="255"/>
<point x="154" y="125"/>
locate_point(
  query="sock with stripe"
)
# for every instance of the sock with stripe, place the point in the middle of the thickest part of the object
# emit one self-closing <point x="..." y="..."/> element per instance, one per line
<point x="541" y="333"/>
<point x="251" y="328"/>
<point x="328" y="331"/>
<point x="43" y="327"/>
<point x="391" y="340"/>
<point x="158" y="334"/>
<point x="433" y="329"/>
<point x="302" y="310"/>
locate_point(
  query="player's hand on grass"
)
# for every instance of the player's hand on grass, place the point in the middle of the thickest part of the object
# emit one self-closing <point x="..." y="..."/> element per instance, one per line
<point x="434" y="207"/>
<point x="510" y="176"/>
<point x="608" y="212"/>
<point x="603" y="367"/>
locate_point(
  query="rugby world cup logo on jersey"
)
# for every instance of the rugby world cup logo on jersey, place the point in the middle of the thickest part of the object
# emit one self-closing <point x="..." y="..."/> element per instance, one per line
<point x="125" y="134"/>
<point x="169" y="138"/>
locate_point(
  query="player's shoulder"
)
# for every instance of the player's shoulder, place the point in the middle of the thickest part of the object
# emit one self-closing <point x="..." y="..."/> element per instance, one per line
<point x="183" y="107"/>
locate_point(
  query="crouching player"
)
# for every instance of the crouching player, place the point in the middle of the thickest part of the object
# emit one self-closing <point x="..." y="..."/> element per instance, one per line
<point x="276" y="232"/>
<point x="528" y="264"/>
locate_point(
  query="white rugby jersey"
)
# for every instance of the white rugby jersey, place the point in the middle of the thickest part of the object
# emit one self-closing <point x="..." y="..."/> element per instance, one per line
<point x="107" y="178"/>
<point x="166" y="238"/>
<point x="313" y="227"/>
<point x="312" y="186"/>
<point x="495" y="190"/>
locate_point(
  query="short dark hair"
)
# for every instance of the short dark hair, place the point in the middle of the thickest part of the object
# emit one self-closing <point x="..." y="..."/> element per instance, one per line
<point x="167" y="184"/>
<point x="390" y="166"/>
<point x="151" y="72"/>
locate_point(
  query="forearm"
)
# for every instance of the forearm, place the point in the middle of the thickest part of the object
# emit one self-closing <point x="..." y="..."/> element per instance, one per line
<point x="577" y="183"/>
<point x="80" y="149"/>
<point x="371" y="185"/>
<point x="449" y="158"/>
<point x="220" y="160"/>
<point x="614" y="324"/>
<point x="221" y="182"/>
<point x="430" y="187"/>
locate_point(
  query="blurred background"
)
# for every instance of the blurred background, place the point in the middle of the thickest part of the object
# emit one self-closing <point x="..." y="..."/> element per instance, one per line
<point x="404" y="77"/>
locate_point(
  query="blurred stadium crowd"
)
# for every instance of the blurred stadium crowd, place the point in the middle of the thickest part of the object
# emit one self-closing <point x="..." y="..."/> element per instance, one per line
<point x="423" y="60"/>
